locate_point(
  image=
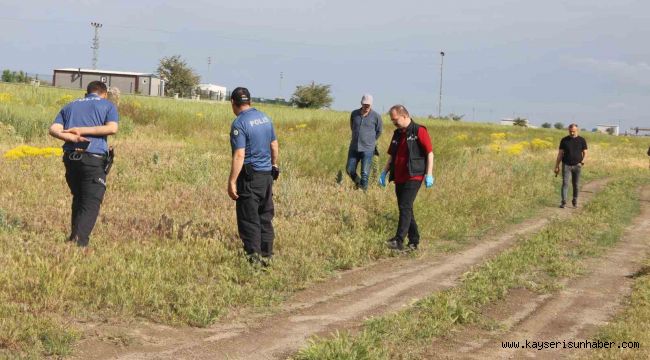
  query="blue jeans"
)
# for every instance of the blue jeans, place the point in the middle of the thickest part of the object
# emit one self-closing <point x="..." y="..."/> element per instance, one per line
<point x="366" y="160"/>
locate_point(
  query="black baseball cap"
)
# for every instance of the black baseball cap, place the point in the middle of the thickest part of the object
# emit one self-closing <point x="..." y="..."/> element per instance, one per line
<point x="240" y="96"/>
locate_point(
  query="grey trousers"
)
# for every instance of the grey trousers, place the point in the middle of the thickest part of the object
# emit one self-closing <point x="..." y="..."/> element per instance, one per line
<point x="574" y="172"/>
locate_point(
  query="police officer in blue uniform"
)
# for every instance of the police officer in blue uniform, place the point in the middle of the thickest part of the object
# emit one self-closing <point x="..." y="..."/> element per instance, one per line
<point x="253" y="170"/>
<point x="84" y="125"/>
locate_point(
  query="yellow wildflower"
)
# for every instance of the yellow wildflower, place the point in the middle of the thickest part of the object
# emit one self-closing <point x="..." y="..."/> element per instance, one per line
<point x="539" y="144"/>
<point x="516" y="149"/>
<point x="498" y="136"/>
<point x="6" y="98"/>
<point x="301" y="126"/>
<point x="462" y="137"/>
<point x="31" y="151"/>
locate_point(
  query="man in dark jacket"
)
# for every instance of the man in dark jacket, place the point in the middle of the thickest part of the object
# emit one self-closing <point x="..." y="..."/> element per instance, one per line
<point x="410" y="161"/>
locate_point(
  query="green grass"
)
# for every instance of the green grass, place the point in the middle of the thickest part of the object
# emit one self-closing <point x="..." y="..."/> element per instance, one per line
<point x="536" y="263"/>
<point x="166" y="244"/>
<point x="633" y="325"/>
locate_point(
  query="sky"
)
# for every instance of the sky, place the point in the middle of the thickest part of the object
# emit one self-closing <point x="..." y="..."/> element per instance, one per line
<point x="583" y="61"/>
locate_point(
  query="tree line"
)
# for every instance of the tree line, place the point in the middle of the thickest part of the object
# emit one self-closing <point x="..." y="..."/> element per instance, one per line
<point x="181" y="79"/>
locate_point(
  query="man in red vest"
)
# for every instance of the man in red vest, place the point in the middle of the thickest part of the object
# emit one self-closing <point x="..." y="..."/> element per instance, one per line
<point x="410" y="161"/>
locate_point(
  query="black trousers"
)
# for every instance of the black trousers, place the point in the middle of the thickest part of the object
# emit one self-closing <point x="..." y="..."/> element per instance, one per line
<point x="87" y="182"/>
<point x="406" y="194"/>
<point x="255" y="213"/>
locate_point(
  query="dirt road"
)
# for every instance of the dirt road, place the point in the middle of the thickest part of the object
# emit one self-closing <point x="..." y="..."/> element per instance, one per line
<point x="341" y="303"/>
<point x="570" y="315"/>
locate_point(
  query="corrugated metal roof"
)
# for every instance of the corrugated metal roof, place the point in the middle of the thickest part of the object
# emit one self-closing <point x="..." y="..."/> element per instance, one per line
<point x="107" y="72"/>
<point x="212" y="87"/>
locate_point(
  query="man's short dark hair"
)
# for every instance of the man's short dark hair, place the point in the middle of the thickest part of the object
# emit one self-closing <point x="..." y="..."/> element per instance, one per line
<point x="399" y="110"/>
<point x="96" y="87"/>
<point x="241" y="96"/>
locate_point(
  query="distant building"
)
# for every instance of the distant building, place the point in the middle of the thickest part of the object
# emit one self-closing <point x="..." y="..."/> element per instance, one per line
<point x="511" y="122"/>
<point x="212" y="92"/>
<point x="607" y="129"/>
<point x="637" y="129"/>
<point x="127" y="82"/>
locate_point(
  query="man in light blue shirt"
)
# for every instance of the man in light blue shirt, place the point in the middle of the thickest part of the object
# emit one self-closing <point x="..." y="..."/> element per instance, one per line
<point x="366" y="126"/>
<point x="254" y="168"/>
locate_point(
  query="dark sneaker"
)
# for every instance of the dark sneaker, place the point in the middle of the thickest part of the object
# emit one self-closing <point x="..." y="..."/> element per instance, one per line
<point x="411" y="247"/>
<point x="394" y="244"/>
<point x="266" y="261"/>
<point x="357" y="183"/>
<point x="575" y="203"/>
<point x="562" y="205"/>
<point x="257" y="260"/>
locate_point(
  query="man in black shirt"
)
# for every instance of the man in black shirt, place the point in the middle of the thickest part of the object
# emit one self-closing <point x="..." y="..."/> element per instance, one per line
<point x="572" y="154"/>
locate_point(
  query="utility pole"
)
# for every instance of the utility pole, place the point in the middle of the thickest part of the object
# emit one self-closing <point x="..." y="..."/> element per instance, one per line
<point x="442" y="58"/>
<point x="281" y="77"/>
<point x="95" y="46"/>
<point x="209" y="63"/>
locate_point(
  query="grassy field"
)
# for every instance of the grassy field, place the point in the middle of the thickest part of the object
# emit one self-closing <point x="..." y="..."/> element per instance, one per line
<point x="166" y="245"/>
<point x="538" y="263"/>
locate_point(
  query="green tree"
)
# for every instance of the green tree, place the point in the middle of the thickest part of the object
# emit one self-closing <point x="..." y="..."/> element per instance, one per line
<point x="520" y="122"/>
<point x="558" y="125"/>
<point x="15" y="76"/>
<point x="179" y="77"/>
<point x="21" y="77"/>
<point x="8" y="76"/>
<point x="546" y="125"/>
<point x="313" y="96"/>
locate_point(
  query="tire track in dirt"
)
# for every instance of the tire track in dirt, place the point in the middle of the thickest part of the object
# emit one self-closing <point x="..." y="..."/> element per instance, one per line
<point x="573" y="314"/>
<point x="336" y="304"/>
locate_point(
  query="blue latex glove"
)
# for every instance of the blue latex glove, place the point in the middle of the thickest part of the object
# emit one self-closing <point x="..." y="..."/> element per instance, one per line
<point x="382" y="179"/>
<point x="428" y="181"/>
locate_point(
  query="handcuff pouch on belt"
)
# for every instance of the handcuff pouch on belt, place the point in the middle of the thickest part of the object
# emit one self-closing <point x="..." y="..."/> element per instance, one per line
<point x="109" y="160"/>
<point x="75" y="155"/>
